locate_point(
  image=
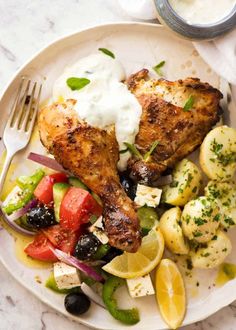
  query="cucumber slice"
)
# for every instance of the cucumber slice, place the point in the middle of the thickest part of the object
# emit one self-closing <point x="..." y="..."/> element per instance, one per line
<point x="73" y="181"/>
<point x="59" y="191"/>
<point x="148" y="218"/>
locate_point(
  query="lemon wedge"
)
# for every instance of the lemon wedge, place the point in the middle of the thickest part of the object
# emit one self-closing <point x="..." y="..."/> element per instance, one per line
<point x="131" y="265"/>
<point x="170" y="293"/>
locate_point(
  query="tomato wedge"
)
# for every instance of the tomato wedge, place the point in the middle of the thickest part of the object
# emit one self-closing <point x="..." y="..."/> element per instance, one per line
<point x="44" y="190"/>
<point x="77" y="207"/>
<point x="40" y="249"/>
<point x="62" y="238"/>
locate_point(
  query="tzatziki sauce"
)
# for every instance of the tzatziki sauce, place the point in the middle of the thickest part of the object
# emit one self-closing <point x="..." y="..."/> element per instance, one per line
<point x="105" y="100"/>
<point x="202" y="11"/>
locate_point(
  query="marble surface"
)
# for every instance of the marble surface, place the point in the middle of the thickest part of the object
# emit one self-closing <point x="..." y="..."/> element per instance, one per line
<point x="25" y="27"/>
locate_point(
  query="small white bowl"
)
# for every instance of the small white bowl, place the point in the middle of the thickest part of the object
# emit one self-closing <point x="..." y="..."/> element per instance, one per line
<point x="169" y="17"/>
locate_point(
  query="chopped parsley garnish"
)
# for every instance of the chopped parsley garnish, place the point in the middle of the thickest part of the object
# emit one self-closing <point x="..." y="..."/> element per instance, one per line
<point x="189" y="180"/>
<point x="194" y="190"/>
<point x="199" y="221"/>
<point x="77" y="83"/>
<point x="229" y="221"/>
<point x="107" y="52"/>
<point x="157" y="68"/>
<point x="188" y="104"/>
<point x="197" y="234"/>
<point x="216" y="217"/>
<point x="225" y="158"/>
<point x="189" y="264"/>
<point x="205" y="254"/>
<point x="174" y="184"/>
<point x="187" y="218"/>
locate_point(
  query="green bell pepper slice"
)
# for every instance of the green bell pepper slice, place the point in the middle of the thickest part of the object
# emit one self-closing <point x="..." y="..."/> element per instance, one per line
<point x="101" y="251"/>
<point x="126" y="316"/>
<point x="52" y="285"/>
<point x="27" y="185"/>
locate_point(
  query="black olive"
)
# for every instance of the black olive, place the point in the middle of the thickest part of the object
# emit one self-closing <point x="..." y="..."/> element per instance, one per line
<point x="128" y="185"/>
<point x="41" y="217"/>
<point x="111" y="254"/>
<point x="76" y="303"/>
<point x="87" y="246"/>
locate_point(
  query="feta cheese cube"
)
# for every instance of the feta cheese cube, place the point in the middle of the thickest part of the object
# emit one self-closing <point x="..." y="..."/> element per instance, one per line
<point x="101" y="236"/>
<point x="66" y="276"/>
<point x="98" y="224"/>
<point x="98" y="230"/>
<point x="140" y="286"/>
<point x="147" y="196"/>
<point x="14" y="196"/>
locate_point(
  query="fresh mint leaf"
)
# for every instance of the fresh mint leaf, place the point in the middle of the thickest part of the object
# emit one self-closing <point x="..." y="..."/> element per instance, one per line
<point x="77" y="83"/>
<point x="107" y="52"/>
<point x="157" y="68"/>
<point x="188" y="104"/>
<point x="148" y="153"/>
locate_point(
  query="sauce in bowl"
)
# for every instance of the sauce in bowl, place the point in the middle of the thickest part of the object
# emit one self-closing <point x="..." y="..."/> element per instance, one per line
<point x="202" y="11"/>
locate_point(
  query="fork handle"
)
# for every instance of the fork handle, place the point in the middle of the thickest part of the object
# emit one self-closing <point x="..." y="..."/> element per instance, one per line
<point x="5" y="168"/>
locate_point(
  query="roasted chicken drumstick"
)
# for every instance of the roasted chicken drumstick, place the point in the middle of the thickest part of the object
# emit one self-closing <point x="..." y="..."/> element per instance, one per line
<point x="92" y="154"/>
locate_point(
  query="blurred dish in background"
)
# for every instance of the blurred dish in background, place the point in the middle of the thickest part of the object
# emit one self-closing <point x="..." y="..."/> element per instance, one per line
<point x="202" y="11"/>
<point x="197" y="19"/>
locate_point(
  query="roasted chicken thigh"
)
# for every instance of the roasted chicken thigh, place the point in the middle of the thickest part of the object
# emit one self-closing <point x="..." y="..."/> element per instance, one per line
<point x="178" y="131"/>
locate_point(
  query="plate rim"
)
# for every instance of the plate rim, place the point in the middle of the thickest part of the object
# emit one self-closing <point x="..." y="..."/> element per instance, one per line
<point x="13" y="76"/>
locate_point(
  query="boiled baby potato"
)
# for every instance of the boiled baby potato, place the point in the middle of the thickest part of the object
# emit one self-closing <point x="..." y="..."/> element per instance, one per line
<point x="225" y="195"/>
<point x="185" y="185"/>
<point x="214" y="253"/>
<point x="218" y="153"/>
<point x="172" y="231"/>
<point x="200" y="219"/>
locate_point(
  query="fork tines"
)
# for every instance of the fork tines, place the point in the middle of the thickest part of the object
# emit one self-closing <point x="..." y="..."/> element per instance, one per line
<point x="26" y="104"/>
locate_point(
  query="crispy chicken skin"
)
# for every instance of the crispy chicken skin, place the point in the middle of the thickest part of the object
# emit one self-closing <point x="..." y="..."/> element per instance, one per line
<point x="163" y="119"/>
<point x="92" y="154"/>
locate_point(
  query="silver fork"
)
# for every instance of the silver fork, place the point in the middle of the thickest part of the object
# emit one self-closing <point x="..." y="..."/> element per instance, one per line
<point x="20" y="124"/>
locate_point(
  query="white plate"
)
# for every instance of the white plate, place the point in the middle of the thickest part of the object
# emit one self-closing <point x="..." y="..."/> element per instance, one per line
<point x="136" y="45"/>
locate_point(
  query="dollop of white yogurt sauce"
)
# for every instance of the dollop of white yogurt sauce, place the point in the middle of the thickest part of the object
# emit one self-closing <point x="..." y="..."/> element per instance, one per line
<point x="105" y="101"/>
<point x="202" y="11"/>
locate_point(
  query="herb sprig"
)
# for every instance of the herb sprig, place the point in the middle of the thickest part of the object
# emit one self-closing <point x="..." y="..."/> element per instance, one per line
<point x="107" y="52"/>
<point x="157" y="68"/>
<point x="146" y="157"/>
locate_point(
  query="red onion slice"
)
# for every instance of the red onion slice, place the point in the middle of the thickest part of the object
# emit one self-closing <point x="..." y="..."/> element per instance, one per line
<point x="46" y="161"/>
<point x="19" y="213"/>
<point x="164" y="180"/>
<point x="72" y="261"/>
<point x="14" y="225"/>
<point x="92" y="295"/>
